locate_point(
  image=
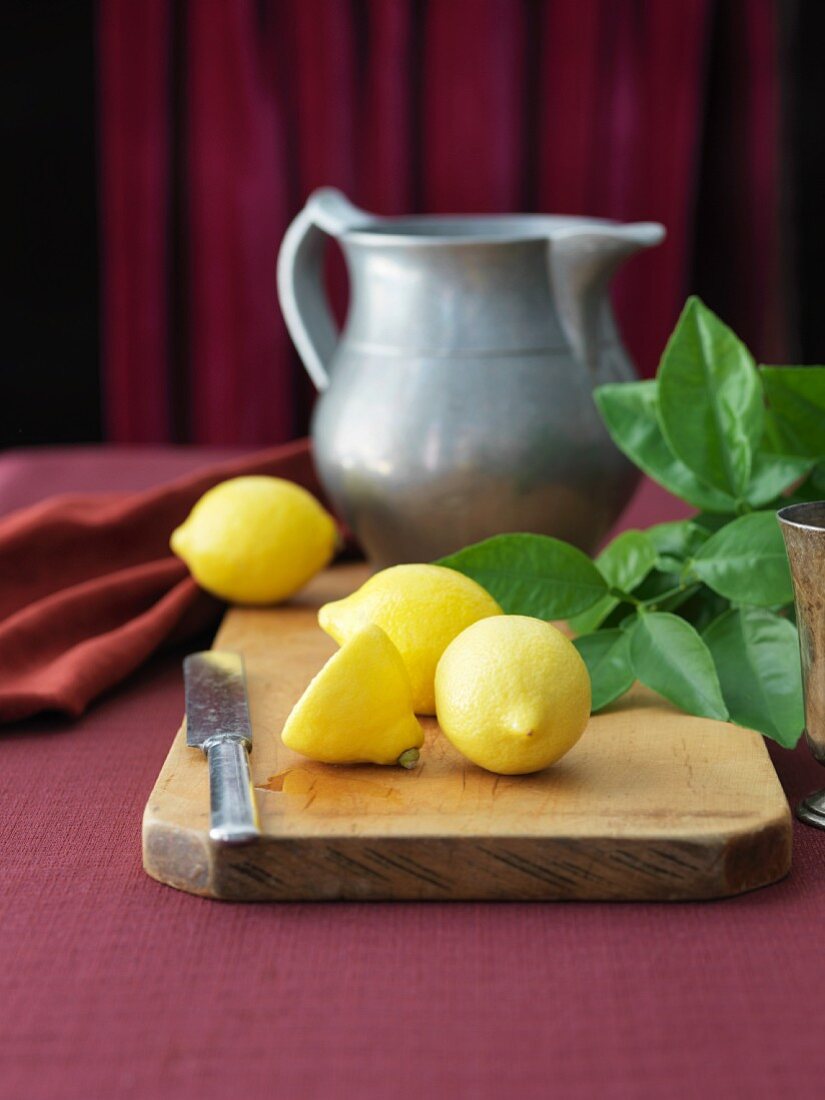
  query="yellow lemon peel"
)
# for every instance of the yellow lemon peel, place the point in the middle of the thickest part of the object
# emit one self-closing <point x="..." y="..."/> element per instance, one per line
<point x="512" y="694"/>
<point x="422" y="608"/>
<point x="255" y="540"/>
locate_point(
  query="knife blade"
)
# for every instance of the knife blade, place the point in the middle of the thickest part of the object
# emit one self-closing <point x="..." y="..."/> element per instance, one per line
<point x="217" y="723"/>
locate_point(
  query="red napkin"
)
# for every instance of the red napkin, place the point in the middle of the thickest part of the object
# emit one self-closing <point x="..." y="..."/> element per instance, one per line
<point x="89" y="588"/>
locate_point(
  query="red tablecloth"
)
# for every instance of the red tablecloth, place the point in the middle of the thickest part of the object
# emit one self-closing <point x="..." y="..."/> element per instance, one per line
<point x="114" y="986"/>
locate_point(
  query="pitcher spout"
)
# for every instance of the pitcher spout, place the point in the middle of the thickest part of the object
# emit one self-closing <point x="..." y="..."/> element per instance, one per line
<point x="583" y="259"/>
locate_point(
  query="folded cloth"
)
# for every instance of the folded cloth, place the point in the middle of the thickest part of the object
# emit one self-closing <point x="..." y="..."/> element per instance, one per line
<point x="89" y="588"/>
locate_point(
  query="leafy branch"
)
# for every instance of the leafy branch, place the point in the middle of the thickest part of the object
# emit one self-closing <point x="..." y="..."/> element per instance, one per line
<point x="700" y="610"/>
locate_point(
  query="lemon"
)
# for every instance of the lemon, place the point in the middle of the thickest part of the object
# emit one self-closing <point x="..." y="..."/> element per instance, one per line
<point x="255" y="540"/>
<point x="358" y="708"/>
<point x="512" y="694"/>
<point x="422" y="608"/>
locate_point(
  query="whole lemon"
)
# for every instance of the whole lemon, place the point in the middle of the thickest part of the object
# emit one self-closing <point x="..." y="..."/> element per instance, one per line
<point x="358" y="708"/>
<point x="512" y="694"/>
<point x="422" y="608"/>
<point x="255" y="540"/>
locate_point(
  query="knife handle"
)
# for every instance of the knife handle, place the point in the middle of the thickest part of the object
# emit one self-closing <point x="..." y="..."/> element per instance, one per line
<point x="233" y="813"/>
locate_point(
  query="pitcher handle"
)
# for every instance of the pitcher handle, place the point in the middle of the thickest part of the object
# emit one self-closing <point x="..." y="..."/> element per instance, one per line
<point x="304" y="304"/>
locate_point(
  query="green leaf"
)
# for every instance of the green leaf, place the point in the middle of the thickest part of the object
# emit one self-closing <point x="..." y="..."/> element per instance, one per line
<point x="711" y="522"/>
<point x="668" y="656"/>
<point x="757" y="658"/>
<point x="627" y="560"/>
<point x="623" y="563"/>
<point x="630" y="412"/>
<point x="746" y="562"/>
<point x="812" y="488"/>
<point x="772" y="474"/>
<point x="701" y="607"/>
<point x="656" y="585"/>
<point x="710" y="400"/>
<point x="608" y="662"/>
<point x="593" y="618"/>
<point x="675" y="542"/>
<point x="532" y="574"/>
<point x="618" y="616"/>
<point x="796" y="408"/>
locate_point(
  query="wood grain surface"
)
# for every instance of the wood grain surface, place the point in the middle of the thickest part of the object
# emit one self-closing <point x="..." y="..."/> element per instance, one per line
<point x="651" y="803"/>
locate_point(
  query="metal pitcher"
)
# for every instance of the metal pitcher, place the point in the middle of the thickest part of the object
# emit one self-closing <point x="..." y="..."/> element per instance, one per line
<point x="803" y="527"/>
<point x="457" y="402"/>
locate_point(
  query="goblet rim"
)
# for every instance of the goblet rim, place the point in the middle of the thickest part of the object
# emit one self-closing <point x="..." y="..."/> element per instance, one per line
<point x="795" y="515"/>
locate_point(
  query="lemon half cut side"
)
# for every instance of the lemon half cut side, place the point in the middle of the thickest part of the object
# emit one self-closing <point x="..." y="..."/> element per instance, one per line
<point x="422" y="608"/>
<point x="358" y="709"/>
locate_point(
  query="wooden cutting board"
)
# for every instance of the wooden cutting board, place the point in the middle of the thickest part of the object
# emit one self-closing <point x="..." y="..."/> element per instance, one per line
<point x="651" y="803"/>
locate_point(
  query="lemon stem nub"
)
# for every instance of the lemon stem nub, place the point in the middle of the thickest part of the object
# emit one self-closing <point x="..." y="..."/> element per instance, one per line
<point x="409" y="758"/>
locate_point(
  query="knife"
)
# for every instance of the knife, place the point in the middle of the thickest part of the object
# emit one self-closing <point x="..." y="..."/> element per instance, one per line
<point x="217" y="722"/>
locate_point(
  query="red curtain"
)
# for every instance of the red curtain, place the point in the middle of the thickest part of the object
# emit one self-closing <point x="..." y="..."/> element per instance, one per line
<point x="218" y="117"/>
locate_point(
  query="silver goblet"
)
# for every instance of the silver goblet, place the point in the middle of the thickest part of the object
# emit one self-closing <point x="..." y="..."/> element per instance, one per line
<point x="803" y="528"/>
